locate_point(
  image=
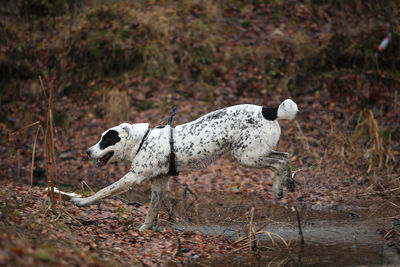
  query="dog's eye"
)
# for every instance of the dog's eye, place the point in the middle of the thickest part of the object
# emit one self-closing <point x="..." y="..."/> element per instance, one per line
<point x="109" y="139"/>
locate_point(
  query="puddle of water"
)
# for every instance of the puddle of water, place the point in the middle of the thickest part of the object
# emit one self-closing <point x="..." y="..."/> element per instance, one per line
<point x="317" y="232"/>
<point x="311" y="254"/>
<point x="340" y="236"/>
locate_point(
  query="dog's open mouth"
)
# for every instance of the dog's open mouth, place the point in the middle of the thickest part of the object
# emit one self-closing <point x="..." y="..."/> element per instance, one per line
<point x="103" y="161"/>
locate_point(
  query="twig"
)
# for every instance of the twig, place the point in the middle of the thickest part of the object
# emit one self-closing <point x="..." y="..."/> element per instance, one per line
<point x="280" y="237"/>
<point x="271" y="238"/>
<point x="377" y="192"/>
<point x="127" y="202"/>
<point x="240" y="240"/>
<point x="169" y="211"/>
<point x="25" y="127"/>
<point x="18" y="163"/>
<point x="397" y="206"/>
<point x="258" y="231"/>
<point x="302" y="137"/>
<point x="344" y="20"/>
<point x="84" y="221"/>
<point x="240" y="248"/>
<point x="179" y="249"/>
<point x="251" y="248"/>
<point x="84" y="183"/>
<point x="33" y="154"/>
<point x="185" y="188"/>
<point x="88" y="222"/>
<point x="70" y="215"/>
<point x="299" y="224"/>
<point x="42" y="86"/>
<point x="196" y="211"/>
<point x="136" y="203"/>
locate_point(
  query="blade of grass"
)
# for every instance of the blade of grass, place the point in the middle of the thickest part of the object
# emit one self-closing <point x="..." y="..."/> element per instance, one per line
<point x="25" y="127"/>
<point x="33" y="153"/>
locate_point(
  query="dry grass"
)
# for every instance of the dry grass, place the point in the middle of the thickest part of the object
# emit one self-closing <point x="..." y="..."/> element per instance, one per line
<point x="49" y="142"/>
<point x="33" y="154"/>
<point x="367" y="141"/>
<point x="152" y="41"/>
<point x="117" y="106"/>
<point x="252" y="242"/>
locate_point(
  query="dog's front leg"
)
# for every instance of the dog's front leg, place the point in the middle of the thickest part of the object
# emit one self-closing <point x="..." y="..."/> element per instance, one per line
<point x="116" y="188"/>
<point x="159" y="188"/>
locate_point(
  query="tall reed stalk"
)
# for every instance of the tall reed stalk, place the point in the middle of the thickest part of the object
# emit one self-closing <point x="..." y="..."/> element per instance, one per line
<point x="50" y="149"/>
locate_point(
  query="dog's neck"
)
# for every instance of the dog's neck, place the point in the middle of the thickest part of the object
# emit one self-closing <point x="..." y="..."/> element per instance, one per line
<point x="135" y="136"/>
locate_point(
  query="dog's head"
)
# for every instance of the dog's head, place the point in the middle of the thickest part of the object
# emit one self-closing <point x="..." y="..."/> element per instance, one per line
<point x="287" y="110"/>
<point x="118" y="143"/>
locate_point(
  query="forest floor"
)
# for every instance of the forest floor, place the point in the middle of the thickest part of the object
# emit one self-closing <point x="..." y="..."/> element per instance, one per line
<point x="107" y="233"/>
<point x="344" y="143"/>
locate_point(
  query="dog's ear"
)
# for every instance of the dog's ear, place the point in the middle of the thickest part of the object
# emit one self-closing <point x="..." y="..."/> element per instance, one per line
<point x="139" y="129"/>
<point x="126" y="130"/>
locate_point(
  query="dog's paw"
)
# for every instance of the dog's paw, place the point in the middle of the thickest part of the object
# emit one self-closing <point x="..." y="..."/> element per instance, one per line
<point x="279" y="195"/>
<point x="80" y="202"/>
<point x="285" y="155"/>
<point x="291" y="182"/>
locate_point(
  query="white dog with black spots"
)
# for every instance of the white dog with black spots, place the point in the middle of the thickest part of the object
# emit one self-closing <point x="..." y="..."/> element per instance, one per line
<point x="249" y="132"/>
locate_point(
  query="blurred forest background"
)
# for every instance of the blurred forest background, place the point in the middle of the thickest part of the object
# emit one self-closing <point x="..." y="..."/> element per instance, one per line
<point x="108" y="62"/>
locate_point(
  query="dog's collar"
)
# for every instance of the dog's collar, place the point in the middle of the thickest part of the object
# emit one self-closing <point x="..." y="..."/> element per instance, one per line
<point x="143" y="139"/>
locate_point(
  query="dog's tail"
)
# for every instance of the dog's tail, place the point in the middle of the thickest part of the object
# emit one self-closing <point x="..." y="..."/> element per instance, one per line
<point x="287" y="110"/>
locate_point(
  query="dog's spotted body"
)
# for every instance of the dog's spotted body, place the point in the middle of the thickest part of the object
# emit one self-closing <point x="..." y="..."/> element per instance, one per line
<point x="250" y="132"/>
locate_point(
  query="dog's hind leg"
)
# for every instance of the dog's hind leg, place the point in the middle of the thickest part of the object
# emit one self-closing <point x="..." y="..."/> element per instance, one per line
<point x="290" y="182"/>
<point x="279" y="165"/>
<point x="282" y="173"/>
<point x="159" y="189"/>
<point x="114" y="189"/>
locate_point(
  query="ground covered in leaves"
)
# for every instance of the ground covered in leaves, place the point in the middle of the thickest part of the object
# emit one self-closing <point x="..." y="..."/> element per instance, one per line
<point x="123" y="61"/>
<point x="104" y="234"/>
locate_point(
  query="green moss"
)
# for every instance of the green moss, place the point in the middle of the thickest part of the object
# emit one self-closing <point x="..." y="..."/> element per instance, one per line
<point x="146" y="104"/>
<point x="202" y="56"/>
<point x="44" y="254"/>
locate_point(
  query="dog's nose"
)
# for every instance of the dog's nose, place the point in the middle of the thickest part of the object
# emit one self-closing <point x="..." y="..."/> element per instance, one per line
<point x="88" y="152"/>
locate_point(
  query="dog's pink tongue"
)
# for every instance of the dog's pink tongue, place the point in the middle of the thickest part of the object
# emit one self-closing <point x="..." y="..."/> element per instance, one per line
<point x="100" y="163"/>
